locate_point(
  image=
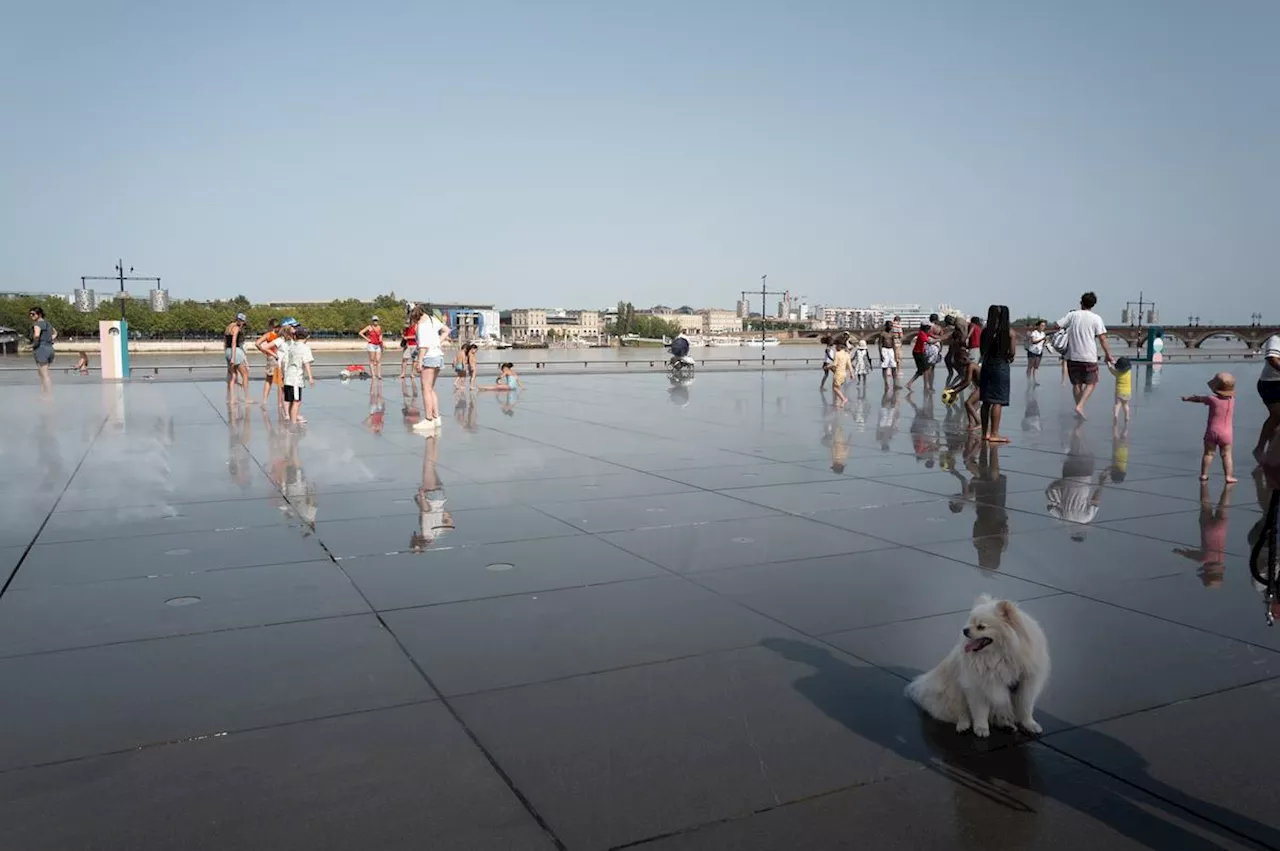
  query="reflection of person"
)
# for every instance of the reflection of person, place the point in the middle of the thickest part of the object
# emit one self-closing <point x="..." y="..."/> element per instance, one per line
<point x="1218" y="431"/>
<point x="888" y="424"/>
<point x="1075" y="496"/>
<point x="924" y="431"/>
<point x="1119" y="468"/>
<point x="839" y="446"/>
<point x="433" y="520"/>
<point x="377" y="408"/>
<point x="1213" y="538"/>
<point x="82" y="365"/>
<point x="991" y="517"/>
<point x="1031" y="410"/>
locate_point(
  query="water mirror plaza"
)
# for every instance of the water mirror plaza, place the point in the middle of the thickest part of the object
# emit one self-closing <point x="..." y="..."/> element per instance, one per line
<point x="616" y="612"/>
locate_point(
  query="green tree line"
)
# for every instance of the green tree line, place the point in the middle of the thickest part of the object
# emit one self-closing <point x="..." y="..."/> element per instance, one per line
<point x="629" y="322"/>
<point x="204" y="319"/>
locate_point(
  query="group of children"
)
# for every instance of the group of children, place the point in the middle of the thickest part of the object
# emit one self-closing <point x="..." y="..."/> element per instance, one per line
<point x="840" y="362"/>
<point x="288" y="365"/>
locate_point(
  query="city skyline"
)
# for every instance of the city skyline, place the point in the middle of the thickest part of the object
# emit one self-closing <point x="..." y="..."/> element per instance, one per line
<point x="968" y="153"/>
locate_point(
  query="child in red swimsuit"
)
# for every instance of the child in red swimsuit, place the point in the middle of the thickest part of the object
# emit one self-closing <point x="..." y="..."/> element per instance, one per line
<point x="1217" y="434"/>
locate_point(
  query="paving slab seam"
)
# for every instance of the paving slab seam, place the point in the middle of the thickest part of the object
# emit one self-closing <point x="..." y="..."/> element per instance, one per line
<point x="817" y="796"/>
<point x="9" y="580"/>
<point x="92" y="539"/>
<point x="216" y="734"/>
<point x="453" y="712"/>
<point x="168" y="636"/>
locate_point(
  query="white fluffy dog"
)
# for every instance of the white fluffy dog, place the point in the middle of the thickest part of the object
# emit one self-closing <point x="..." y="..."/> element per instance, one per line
<point x="992" y="676"/>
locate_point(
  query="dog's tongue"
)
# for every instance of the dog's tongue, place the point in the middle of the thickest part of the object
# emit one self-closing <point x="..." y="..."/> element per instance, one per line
<point x="974" y="644"/>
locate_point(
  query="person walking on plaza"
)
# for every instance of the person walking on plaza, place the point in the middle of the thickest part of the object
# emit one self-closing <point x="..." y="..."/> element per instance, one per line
<point x="888" y="343"/>
<point x="1123" y="372"/>
<point x="372" y="335"/>
<point x="1269" y="390"/>
<point x="1218" y="431"/>
<point x="297" y="358"/>
<point x="409" y="347"/>
<point x="1035" y="351"/>
<point x="237" y="360"/>
<point x="840" y="366"/>
<point x="431" y="336"/>
<point x="269" y="343"/>
<point x="997" y="345"/>
<point x="957" y="358"/>
<point x="828" y="360"/>
<point x="1085" y="331"/>
<point x="920" y="356"/>
<point x="42" y="337"/>
<point x="861" y="358"/>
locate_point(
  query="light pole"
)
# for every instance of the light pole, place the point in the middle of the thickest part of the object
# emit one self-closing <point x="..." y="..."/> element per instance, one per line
<point x="765" y="292"/>
<point x="121" y="277"/>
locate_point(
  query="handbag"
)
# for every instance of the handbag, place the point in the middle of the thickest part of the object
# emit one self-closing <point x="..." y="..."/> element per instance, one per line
<point x="1061" y="338"/>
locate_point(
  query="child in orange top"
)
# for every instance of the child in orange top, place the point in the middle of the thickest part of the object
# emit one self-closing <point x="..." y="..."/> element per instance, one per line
<point x="1217" y="434"/>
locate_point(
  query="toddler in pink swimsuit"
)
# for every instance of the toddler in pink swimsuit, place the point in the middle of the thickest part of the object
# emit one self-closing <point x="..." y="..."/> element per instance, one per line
<point x="1217" y="434"/>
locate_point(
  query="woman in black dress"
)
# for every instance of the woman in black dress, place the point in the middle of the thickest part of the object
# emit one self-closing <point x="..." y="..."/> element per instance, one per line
<point x="997" y="347"/>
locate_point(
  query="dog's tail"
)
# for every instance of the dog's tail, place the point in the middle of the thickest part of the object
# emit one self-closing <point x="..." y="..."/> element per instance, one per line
<point x="929" y="692"/>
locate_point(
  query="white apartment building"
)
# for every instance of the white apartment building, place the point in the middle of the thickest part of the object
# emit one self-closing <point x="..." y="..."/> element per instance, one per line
<point x="720" y="321"/>
<point x="535" y="324"/>
<point x="849" y="318"/>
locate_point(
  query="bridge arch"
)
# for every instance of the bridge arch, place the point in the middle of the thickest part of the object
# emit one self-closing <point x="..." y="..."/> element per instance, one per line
<point x="1198" y="340"/>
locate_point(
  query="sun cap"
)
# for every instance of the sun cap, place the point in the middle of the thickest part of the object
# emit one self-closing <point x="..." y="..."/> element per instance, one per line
<point x="240" y="317"/>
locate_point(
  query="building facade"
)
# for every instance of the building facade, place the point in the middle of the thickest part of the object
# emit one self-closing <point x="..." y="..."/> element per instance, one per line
<point x="720" y="321"/>
<point x="532" y="324"/>
<point x="849" y="318"/>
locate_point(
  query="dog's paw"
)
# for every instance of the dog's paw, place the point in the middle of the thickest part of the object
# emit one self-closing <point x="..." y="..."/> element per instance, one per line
<point x="1032" y="727"/>
<point x="1004" y="722"/>
<point x="962" y="726"/>
<point x="981" y="730"/>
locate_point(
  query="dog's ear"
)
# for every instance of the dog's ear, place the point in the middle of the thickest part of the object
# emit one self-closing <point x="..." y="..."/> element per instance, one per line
<point x="983" y="599"/>
<point x="1008" y="611"/>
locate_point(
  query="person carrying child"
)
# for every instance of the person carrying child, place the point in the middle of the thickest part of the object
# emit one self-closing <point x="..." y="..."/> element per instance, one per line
<point x="1218" y="431"/>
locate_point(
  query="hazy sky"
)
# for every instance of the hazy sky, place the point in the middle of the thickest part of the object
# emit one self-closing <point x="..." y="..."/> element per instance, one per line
<point x="544" y="153"/>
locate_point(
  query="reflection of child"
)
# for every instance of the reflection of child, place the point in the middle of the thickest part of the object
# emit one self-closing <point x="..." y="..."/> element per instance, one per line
<point x="1218" y="431"/>
<point x="1213" y="538"/>
<point x="82" y="365"/>
<point x="1119" y="453"/>
<point x="1123" y="371"/>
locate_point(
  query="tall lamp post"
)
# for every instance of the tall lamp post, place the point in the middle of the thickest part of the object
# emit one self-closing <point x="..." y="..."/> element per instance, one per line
<point x="765" y="292"/>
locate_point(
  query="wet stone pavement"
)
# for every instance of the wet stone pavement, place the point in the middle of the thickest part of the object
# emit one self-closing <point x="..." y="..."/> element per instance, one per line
<point x="610" y="612"/>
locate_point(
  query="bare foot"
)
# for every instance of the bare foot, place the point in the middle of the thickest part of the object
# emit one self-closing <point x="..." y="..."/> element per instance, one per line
<point x="1231" y="480"/>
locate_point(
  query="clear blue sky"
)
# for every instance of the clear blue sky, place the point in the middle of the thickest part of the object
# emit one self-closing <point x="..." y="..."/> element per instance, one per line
<point x="574" y="153"/>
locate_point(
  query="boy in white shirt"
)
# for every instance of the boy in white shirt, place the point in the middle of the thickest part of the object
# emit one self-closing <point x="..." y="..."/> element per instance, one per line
<point x="296" y="358"/>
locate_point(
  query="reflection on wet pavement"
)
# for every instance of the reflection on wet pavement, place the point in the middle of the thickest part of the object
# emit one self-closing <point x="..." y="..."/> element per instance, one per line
<point x="612" y="610"/>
